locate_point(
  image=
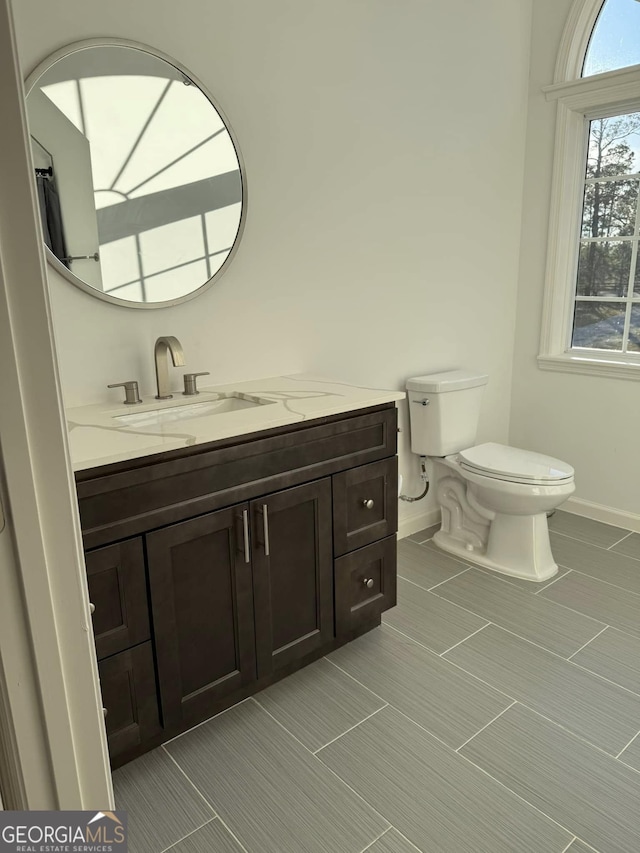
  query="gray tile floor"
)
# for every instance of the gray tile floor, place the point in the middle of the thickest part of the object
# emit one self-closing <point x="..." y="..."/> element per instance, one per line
<point x="486" y="715"/>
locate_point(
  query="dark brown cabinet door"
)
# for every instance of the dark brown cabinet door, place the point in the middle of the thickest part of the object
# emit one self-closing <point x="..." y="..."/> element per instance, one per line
<point x="202" y="605"/>
<point x="365" y="505"/>
<point x="118" y="589"/>
<point x="130" y="699"/>
<point x="292" y="573"/>
<point x="365" y="585"/>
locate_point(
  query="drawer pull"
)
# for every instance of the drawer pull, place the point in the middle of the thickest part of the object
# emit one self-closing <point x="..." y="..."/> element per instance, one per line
<point x="105" y="712"/>
<point x="245" y="532"/>
<point x="368" y="504"/>
<point x="92" y="608"/>
<point x="368" y="582"/>
<point x="265" y="527"/>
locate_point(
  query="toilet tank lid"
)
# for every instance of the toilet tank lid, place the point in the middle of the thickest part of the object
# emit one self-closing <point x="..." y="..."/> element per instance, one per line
<point x="448" y="380"/>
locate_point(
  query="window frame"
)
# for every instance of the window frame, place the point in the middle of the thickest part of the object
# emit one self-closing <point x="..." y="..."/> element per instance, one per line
<point x="579" y="100"/>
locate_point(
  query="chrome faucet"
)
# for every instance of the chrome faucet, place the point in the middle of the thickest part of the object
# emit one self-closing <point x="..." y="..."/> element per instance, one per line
<point x="163" y="347"/>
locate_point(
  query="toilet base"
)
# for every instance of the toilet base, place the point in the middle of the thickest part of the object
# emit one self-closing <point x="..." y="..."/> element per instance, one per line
<point x="518" y="545"/>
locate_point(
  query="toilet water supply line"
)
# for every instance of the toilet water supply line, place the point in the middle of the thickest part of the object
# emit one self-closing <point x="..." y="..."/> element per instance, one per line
<point x="425" y="479"/>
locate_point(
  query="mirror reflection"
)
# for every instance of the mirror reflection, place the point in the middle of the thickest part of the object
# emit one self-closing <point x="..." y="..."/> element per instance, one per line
<point x="139" y="181"/>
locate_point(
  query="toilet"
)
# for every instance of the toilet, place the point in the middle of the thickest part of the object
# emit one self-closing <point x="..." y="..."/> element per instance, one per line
<point x="494" y="498"/>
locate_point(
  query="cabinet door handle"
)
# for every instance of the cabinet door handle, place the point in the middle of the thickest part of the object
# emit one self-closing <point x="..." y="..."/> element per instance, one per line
<point x="265" y="528"/>
<point x="245" y="532"/>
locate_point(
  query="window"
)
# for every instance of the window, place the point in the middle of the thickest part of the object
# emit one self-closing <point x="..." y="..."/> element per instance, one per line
<point x="592" y="302"/>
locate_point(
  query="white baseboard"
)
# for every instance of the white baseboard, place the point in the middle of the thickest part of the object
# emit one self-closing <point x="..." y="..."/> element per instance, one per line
<point x="606" y="514"/>
<point x="407" y="526"/>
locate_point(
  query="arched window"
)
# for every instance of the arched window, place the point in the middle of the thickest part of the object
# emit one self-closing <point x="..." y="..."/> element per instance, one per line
<point x="592" y="302"/>
<point x="615" y="40"/>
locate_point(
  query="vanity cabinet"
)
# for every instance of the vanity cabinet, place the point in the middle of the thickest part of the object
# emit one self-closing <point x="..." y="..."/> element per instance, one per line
<point x="219" y="569"/>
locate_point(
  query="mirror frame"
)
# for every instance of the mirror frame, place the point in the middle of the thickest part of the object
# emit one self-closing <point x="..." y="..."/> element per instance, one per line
<point x="64" y="271"/>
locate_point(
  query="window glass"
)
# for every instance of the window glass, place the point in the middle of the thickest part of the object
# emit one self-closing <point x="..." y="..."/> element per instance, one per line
<point x="615" y="41"/>
<point x="608" y="251"/>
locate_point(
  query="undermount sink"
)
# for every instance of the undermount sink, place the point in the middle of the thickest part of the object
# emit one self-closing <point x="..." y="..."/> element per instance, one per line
<point x="222" y="404"/>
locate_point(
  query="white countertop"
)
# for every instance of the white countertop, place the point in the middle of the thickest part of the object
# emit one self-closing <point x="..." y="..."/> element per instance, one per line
<point x="97" y="438"/>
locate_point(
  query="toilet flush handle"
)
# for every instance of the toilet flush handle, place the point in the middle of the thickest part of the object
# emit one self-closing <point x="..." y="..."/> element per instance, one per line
<point x="424" y="402"/>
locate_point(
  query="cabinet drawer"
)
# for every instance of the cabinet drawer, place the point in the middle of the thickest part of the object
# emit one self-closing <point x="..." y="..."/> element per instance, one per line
<point x="365" y="505"/>
<point x="130" y="698"/>
<point x="118" y="589"/>
<point x="365" y="582"/>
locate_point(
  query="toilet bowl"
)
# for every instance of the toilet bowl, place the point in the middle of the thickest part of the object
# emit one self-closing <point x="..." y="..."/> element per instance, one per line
<point x="507" y="495"/>
<point x="494" y="499"/>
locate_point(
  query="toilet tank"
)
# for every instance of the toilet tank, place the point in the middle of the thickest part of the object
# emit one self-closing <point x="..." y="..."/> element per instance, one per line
<point x="443" y="410"/>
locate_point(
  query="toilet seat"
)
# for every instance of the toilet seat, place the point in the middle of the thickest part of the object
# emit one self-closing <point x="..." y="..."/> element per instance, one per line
<point x="500" y="462"/>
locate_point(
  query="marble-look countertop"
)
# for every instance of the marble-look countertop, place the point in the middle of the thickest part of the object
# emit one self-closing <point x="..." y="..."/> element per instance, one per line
<point x="97" y="438"/>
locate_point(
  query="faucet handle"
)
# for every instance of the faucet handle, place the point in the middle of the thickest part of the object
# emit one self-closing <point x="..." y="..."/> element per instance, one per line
<point x="190" y="387"/>
<point x="131" y="395"/>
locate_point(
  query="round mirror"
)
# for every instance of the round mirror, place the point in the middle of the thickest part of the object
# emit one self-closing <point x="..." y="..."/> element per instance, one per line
<point x="140" y="184"/>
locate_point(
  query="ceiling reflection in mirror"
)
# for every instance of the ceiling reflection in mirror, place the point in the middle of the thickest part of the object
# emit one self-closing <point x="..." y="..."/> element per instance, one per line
<point x="139" y="181"/>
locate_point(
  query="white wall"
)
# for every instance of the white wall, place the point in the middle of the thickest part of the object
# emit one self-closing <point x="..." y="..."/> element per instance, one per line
<point x="384" y="147"/>
<point x="591" y="422"/>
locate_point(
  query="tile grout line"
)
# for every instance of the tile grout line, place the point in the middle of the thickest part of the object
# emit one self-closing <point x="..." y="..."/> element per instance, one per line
<point x="627" y="747"/>
<point x="593" y="578"/>
<point x="586" y="615"/>
<point x="602" y="580"/>
<point x="423" y="645"/>
<point x="593" y="544"/>
<point x="487" y="725"/>
<point x="375" y="840"/>
<point x="550" y="601"/>
<point x="435" y="586"/>
<point x="544" y="716"/>
<point x="556" y="655"/>
<point x="608" y="550"/>
<point x="630" y="533"/>
<point x="584" y="843"/>
<point x="587" y="643"/>
<point x="482" y="770"/>
<point x="195" y="788"/>
<point x="543" y="649"/>
<point x="346" y="731"/>
<point x="435" y="654"/>
<point x="188" y="835"/>
<point x="571" y="733"/>
<point x="429" y="588"/>
<point x="575" y="838"/>
<point x="353" y="678"/>
<point x="524" y="639"/>
<point x="326" y="766"/>
<point x="282" y="725"/>
<point x="466" y="638"/>
<point x="233" y="835"/>
<point x="555" y="580"/>
<point x="353" y="791"/>
<point x="208" y="720"/>
<point x="404" y="838"/>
